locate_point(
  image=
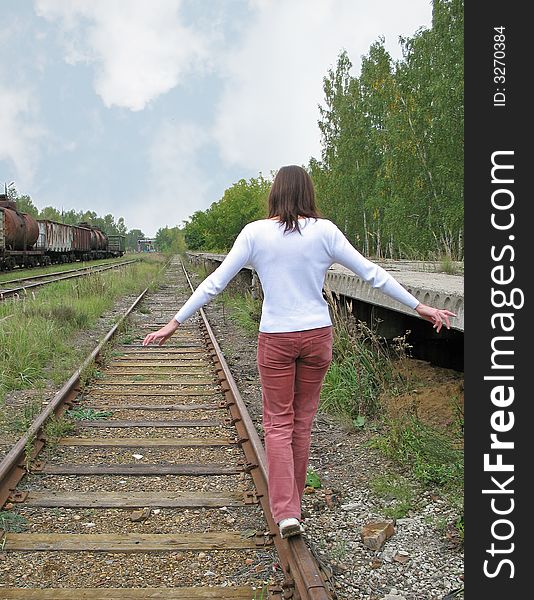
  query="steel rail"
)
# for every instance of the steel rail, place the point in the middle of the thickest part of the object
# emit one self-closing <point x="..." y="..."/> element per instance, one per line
<point x="12" y="467"/>
<point x="51" y="274"/>
<point x="80" y="273"/>
<point x="303" y="577"/>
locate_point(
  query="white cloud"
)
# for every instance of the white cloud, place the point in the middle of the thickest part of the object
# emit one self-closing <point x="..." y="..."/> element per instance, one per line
<point x="140" y="50"/>
<point x="268" y="113"/>
<point x="20" y="133"/>
<point x="176" y="187"/>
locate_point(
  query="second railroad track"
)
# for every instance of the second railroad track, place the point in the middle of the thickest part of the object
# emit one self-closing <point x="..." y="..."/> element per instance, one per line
<point x="159" y="488"/>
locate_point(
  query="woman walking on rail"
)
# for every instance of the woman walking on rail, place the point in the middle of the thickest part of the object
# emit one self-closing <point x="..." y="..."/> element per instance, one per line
<point x="291" y="251"/>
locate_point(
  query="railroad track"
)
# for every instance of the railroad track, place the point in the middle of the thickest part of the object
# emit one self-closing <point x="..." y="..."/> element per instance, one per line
<point x="165" y="497"/>
<point x="23" y="284"/>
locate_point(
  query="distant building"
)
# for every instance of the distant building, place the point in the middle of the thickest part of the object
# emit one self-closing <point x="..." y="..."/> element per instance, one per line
<point x="146" y="245"/>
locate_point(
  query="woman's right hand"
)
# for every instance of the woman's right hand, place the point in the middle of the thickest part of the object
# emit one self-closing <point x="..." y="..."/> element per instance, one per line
<point x="162" y="335"/>
<point x="437" y="316"/>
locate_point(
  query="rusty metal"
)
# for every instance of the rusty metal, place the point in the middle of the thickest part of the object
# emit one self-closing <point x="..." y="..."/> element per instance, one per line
<point x="18" y="496"/>
<point x="78" y="273"/>
<point x="11" y="470"/>
<point x="20" y="229"/>
<point x="66" y="272"/>
<point x="250" y="497"/>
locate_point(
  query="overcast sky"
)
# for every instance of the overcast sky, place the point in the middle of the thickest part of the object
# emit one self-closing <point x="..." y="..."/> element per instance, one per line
<point x="150" y="109"/>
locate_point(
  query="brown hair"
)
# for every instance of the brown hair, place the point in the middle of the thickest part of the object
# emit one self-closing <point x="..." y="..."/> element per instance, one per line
<point x="292" y="196"/>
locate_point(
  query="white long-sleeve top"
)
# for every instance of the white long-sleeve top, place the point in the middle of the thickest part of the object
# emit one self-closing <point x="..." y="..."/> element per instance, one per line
<point x="292" y="267"/>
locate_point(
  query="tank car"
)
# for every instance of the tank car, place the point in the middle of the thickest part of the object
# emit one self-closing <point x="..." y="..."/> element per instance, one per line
<point x="18" y="235"/>
<point x="99" y="241"/>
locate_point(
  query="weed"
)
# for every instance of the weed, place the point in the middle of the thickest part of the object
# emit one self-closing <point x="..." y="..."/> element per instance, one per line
<point x="261" y="594"/>
<point x="37" y="340"/>
<point x="29" y="449"/>
<point x="440" y="523"/>
<point x="359" y="422"/>
<point x="245" y="310"/>
<point x="340" y="551"/>
<point x="88" y="414"/>
<point x="88" y="373"/>
<point x="396" y="491"/>
<point x="312" y="479"/>
<point x="458" y="409"/>
<point x="447" y="265"/>
<point x="12" y="522"/>
<point x="56" y="428"/>
<point x="430" y="453"/>
<point x="361" y="368"/>
<point x="19" y="421"/>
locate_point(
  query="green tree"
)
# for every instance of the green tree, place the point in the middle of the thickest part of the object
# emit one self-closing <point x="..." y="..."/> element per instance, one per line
<point x="391" y="168"/>
<point x="25" y="205"/>
<point x="71" y="217"/>
<point x="50" y="213"/>
<point x="131" y="238"/>
<point x="170" y="240"/>
<point x="216" y="228"/>
<point x="121" y="226"/>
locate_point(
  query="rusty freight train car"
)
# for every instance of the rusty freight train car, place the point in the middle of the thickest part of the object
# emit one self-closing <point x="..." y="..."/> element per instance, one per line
<point x="18" y="235"/>
<point x="28" y="242"/>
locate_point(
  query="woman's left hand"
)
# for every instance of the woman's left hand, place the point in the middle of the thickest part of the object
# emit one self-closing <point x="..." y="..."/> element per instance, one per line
<point x="161" y="335"/>
<point x="437" y="316"/>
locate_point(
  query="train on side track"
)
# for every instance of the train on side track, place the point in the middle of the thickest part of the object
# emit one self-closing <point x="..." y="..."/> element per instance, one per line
<point x="29" y="242"/>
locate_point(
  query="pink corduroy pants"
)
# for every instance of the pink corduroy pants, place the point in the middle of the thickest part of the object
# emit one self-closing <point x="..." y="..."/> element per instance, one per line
<point x="292" y="367"/>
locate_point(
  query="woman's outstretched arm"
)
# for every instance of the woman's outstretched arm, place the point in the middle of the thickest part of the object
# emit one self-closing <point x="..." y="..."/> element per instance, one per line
<point x="344" y="253"/>
<point x="214" y="284"/>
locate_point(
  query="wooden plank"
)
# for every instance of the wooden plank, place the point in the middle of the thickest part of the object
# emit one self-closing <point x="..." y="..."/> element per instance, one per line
<point x="170" y="407"/>
<point x="134" y="499"/>
<point x="150" y="371"/>
<point x="151" y="351"/>
<point x="201" y="382"/>
<point x="184" y="356"/>
<point x="178" y="342"/>
<point x="175" y="363"/>
<point x="182" y="393"/>
<point x="146" y="442"/>
<point x="215" y="593"/>
<point x="126" y="542"/>
<point x="110" y="423"/>
<point x="140" y="469"/>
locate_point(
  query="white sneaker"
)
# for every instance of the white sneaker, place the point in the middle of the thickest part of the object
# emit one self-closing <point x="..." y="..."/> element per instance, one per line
<point x="290" y="527"/>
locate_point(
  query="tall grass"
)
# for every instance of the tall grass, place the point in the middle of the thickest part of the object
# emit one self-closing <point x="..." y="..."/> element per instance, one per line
<point x="361" y="367"/>
<point x="244" y="309"/>
<point x="38" y="332"/>
<point x="432" y="455"/>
